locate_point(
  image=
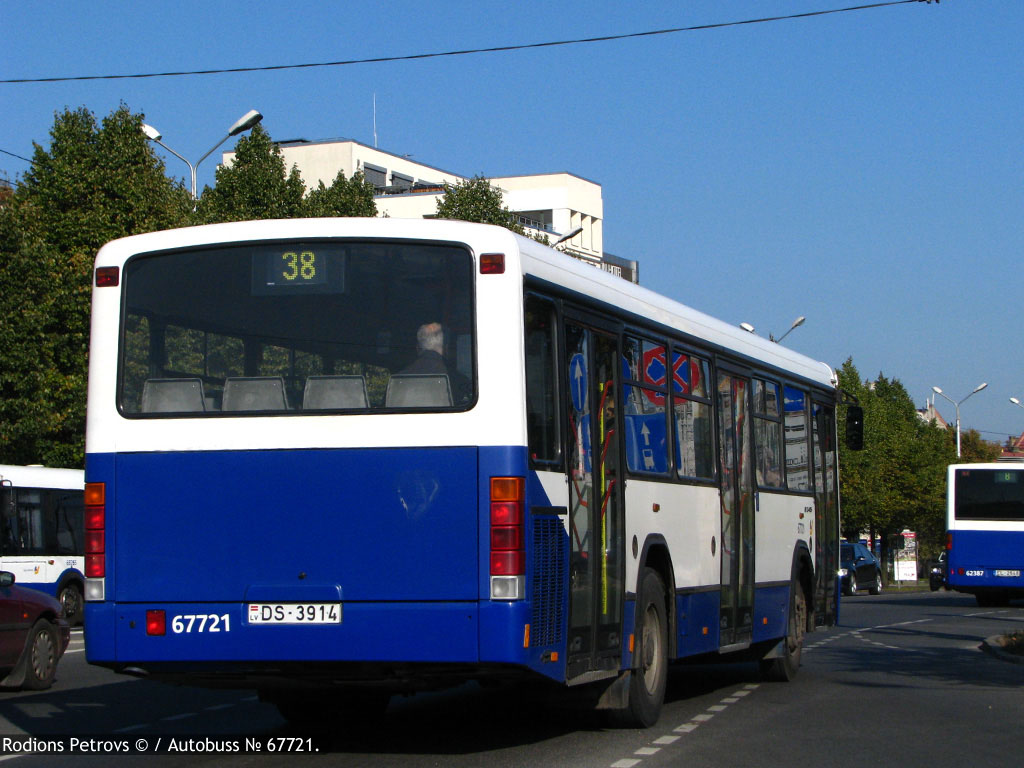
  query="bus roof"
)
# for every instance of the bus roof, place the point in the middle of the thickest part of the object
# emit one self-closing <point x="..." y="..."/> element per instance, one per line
<point x="553" y="266"/>
<point x="42" y="477"/>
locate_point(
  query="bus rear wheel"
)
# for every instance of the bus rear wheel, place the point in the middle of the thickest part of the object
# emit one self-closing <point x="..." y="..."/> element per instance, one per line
<point x="649" y="676"/>
<point x="784" y="668"/>
<point x="70" y="597"/>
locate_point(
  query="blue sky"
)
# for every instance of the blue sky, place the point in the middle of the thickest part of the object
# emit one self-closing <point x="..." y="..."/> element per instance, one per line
<point x="863" y="169"/>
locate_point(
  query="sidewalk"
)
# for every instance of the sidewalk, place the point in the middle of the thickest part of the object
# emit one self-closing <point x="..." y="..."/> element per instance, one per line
<point x="1005" y="647"/>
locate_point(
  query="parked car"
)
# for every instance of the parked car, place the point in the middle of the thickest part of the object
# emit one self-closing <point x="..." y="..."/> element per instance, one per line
<point x="937" y="575"/>
<point x="859" y="569"/>
<point x="33" y="635"/>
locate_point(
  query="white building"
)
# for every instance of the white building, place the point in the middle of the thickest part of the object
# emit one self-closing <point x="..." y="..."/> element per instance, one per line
<point x="549" y="203"/>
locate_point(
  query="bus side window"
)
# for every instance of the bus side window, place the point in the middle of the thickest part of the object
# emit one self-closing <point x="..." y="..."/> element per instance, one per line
<point x="768" y="438"/>
<point x="6" y="520"/>
<point x="541" y="389"/>
<point x="796" y="421"/>
<point x="70" y="524"/>
<point x="644" y="420"/>
<point x="692" y="418"/>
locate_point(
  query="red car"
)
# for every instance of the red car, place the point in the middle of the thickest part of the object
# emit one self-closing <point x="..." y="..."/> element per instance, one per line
<point x="33" y="635"/>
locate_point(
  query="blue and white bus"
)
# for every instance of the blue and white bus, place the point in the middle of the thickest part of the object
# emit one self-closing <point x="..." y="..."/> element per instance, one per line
<point x="42" y="540"/>
<point x="336" y="459"/>
<point x="985" y="531"/>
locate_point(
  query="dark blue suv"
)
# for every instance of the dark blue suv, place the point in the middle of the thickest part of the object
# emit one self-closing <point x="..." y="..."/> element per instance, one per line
<point x="859" y="569"/>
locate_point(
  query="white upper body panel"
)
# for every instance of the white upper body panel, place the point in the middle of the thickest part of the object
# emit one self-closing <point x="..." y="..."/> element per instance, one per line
<point x="497" y="418"/>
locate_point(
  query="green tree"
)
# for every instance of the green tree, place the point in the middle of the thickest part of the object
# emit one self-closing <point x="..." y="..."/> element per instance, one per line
<point x="345" y="197"/>
<point x="974" y="449"/>
<point x="93" y="184"/>
<point x="255" y="186"/>
<point x="477" y="200"/>
<point x="898" y="480"/>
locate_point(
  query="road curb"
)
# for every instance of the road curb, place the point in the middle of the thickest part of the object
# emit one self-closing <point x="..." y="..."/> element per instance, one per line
<point x="994" y="645"/>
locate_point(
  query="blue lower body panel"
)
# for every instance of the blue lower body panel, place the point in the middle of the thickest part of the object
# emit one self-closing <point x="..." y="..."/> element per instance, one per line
<point x="446" y="632"/>
<point x="698" y="615"/>
<point x="697" y="625"/>
<point x="771" y="612"/>
<point x="46" y="587"/>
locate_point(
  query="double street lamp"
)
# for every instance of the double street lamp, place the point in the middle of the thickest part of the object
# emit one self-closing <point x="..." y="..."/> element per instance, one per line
<point x="567" y="236"/>
<point x="796" y="324"/>
<point x="244" y="123"/>
<point x="957" y="405"/>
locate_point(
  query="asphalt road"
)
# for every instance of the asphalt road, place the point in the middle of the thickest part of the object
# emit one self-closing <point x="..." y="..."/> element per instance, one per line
<point x="901" y="681"/>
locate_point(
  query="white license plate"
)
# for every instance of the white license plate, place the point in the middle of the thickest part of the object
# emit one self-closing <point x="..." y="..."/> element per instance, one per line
<point x="1009" y="574"/>
<point x="294" y="613"/>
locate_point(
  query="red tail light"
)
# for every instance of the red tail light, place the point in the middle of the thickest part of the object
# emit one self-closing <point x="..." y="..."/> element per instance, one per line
<point x="156" y="622"/>
<point x="492" y="263"/>
<point x="107" y="277"/>
<point x="95" y="530"/>
<point x="508" y="546"/>
<point x="94" y="542"/>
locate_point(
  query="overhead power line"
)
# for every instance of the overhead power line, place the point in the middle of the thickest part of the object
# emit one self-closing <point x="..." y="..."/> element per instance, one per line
<point x="495" y="49"/>
<point x="4" y="151"/>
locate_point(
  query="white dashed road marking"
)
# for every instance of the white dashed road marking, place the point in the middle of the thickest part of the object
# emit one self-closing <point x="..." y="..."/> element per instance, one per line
<point x="697" y="720"/>
<point x="683" y="728"/>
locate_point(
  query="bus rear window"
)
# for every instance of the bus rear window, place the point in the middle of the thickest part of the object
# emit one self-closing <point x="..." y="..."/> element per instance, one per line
<point x="285" y="327"/>
<point x="989" y="494"/>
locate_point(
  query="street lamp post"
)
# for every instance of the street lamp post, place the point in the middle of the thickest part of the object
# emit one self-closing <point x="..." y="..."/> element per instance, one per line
<point x="796" y="324"/>
<point x="244" y="123"/>
<point x="1017" y="402"/>
<point x="567" y="236"/>
<point x="957" y="405"/>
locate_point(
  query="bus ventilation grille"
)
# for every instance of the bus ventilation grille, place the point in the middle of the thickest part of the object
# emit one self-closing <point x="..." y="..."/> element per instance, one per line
<point x="549" y="575"/>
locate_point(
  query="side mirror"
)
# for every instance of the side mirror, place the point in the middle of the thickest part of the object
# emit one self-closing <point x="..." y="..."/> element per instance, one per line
<point x="854" y="427"/>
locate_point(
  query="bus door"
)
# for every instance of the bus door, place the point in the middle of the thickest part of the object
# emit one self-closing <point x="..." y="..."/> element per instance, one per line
<point x="826" y="514"/>
<point x="738" y="503"/>
<point x="595" y="502"/>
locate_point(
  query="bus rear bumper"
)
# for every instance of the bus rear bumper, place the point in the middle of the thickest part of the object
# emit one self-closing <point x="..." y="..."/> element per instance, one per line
<point x="124" y="634"/>
<point x="401" y="647"/>
<point x="978" y="578"/>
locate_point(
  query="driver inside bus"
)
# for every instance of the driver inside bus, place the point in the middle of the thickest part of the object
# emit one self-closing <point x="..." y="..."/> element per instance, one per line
<point x="430" y="359"/>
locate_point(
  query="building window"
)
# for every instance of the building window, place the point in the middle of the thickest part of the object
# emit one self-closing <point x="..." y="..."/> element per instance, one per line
<point x="401" y="181"/>
<point x="375" y="175"/>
